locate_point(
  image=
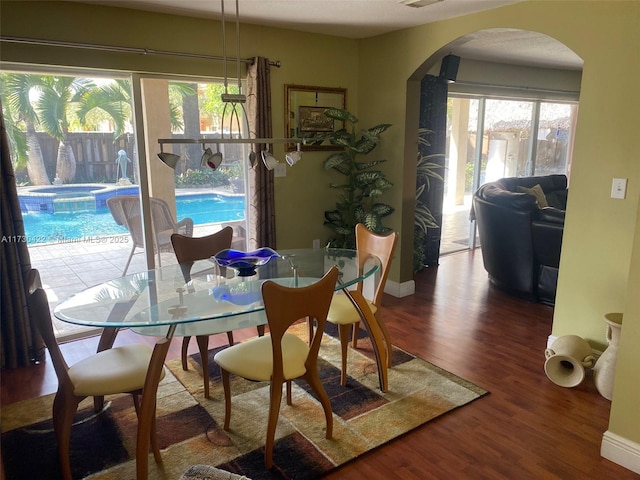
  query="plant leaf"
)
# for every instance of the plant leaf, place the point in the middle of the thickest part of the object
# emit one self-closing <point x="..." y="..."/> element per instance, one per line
<point x="378" y="129"/>
<point x="335" y="159"/>
<point x="340" y="114"/>
<point x="382" y="209"/>
<point x="364" y="166"/>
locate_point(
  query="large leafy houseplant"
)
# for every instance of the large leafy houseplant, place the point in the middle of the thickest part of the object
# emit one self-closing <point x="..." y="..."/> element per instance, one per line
<point x="362" y="184"/>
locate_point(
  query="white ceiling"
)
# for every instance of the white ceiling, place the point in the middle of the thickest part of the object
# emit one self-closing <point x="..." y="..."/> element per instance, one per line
<point x="366" y="18"/>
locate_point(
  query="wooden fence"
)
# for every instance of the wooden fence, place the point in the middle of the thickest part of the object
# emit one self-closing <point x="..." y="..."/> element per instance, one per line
<point x="96" y="154"/>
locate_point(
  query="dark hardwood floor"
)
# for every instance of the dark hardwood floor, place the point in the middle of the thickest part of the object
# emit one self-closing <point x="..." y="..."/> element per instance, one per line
<point x="526" y="428"/>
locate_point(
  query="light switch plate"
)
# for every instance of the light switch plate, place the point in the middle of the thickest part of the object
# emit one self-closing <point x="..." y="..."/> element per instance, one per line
<point x="619" y="188"/>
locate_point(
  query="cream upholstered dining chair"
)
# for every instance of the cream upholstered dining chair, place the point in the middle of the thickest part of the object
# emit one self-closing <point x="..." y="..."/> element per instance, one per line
<point x="125" y="210"/>
<point x="280" y="357"/>
<point x="343" y="313"/>
<point x="112" y="371"/>
<point x="188" y="250"/>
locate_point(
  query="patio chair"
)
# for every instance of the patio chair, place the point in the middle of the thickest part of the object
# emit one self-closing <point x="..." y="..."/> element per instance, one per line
<point x="125" y="210"/>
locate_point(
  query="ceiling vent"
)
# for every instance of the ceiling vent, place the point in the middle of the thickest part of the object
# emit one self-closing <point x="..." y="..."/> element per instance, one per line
<point x="418" y="3"/>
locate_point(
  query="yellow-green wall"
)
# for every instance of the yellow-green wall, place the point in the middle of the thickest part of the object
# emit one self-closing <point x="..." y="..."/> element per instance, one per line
<point x="597" y="274"/>
<point x="599" y="231"/>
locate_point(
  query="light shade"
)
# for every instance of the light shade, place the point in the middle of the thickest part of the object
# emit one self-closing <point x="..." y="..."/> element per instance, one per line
<point x="210" y="159"/>
<point x="294" y="157"/>
<point x="170" y="159"/>
<point x="269" y="160"/>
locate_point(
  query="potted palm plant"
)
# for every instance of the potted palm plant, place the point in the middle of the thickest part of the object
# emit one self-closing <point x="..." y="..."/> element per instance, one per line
<point x="363" y="184"/>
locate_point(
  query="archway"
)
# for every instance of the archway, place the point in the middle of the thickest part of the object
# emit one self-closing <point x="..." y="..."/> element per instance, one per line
<point x="505" y="65"/>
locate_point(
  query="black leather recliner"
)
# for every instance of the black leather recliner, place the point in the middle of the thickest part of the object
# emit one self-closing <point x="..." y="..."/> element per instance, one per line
<point x="521" y="242"/>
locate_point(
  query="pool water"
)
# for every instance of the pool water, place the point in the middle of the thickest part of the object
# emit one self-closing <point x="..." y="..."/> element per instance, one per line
<point x="61" y="227"/>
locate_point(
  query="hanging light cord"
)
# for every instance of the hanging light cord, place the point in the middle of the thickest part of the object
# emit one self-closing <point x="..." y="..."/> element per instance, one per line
<point x="238" y="46"/>
<point x="224" y="50"/>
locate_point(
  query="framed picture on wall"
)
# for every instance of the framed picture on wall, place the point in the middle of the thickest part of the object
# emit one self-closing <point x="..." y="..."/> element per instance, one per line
<point x="312" y="119"/>
<point x="304" y="113"/>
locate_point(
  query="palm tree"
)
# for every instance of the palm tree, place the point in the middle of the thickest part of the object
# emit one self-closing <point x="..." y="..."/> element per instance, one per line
<point x="17" y="110"/>
<point x="58" y="94"/>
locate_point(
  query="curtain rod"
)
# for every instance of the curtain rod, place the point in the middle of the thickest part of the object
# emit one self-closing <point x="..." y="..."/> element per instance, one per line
<point x="512" y="87"/>
<point x="219" y="141"/>
<point x="114" y="48"/>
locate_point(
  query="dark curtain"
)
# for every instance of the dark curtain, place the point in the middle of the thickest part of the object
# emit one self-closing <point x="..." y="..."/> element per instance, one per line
<point x="20" y="344"/>
<point x="433" y="116"/>
<point x="262" y="215"/>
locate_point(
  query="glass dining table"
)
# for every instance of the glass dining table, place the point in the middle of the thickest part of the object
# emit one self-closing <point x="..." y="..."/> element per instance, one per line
<point x="203" y="298"/>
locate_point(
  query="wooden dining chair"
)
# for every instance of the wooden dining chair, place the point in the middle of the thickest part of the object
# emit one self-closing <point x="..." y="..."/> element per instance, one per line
<point x="111" y="371"/>
<point x="188" y="250"/>
<point x="344" y="314"/>
<point x="280" y="357"/>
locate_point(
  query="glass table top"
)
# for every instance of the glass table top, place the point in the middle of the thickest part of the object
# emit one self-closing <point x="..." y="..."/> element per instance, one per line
<point x="204" y="292"/>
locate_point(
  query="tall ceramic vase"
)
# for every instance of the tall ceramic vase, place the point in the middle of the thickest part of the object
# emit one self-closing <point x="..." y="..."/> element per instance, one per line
<point x="604" y="370"/>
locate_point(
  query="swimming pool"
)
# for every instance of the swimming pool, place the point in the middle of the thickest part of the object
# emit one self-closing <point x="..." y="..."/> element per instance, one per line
<point x="66" y="226"/>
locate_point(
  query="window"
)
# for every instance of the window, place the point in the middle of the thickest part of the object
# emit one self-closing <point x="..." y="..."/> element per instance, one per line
<point x="73" y="140"/>
<point x="492" y="138"/>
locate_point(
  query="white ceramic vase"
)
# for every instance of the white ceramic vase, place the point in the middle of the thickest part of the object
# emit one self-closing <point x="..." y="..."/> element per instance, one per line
<point x="567" y="359"/>
<point x="605" y="369"/>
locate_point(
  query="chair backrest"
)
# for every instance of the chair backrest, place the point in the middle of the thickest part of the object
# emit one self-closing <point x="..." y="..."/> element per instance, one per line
<point x="161" y="215"/>
<point x="286" y="305"/>
<point x="125" y="210"/>
<point x="383" y="247"/>
<point x="190" y="249"/>
<point x="40" y="316"/>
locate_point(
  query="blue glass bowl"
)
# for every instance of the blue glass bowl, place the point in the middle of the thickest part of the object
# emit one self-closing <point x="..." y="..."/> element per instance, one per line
<point x="245" y="262"/>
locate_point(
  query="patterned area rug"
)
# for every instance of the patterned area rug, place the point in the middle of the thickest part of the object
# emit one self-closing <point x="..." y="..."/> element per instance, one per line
<point x="190" y="426"/>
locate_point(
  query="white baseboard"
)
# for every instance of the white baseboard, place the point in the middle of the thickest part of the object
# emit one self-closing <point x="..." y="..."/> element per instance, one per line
<point x="400" y="290"/>
<point x="621" y="450"/>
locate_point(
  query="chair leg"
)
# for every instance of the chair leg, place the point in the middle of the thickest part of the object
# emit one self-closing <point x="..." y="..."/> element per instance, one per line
<point x="387" y="340"/>
<point x="344" y="331"/>
<point x="154" y="439"/>
<point x="313" y="380"/>
<point x="289" y="401"/>
<point x="226" y="385"/>
<point x="98" y="403"/>
<point x="230" y="339"/>
<point x="260" y="329"/>
<point x="126" y="267"/>
<point x="64" y="408"/>
<point x="274" y="410"/>
<point x="354" y="334"/>
<point x="203" y="347"/>
<point x="185" y="349"/>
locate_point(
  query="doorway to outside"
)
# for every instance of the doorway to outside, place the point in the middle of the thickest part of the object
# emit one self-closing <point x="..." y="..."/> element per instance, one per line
<point x="65" y="175"/>
<point x="518" y="138"/>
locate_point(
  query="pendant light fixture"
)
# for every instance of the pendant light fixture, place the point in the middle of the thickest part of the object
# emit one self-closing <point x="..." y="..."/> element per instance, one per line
<point x="234" y="113"/>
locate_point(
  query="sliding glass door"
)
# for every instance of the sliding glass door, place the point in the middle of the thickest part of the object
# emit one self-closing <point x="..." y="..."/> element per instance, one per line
<point x="490" y="138"/>
<point x="79" y="138"/>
